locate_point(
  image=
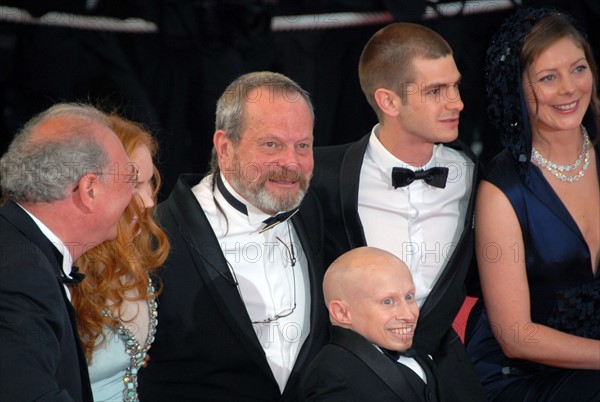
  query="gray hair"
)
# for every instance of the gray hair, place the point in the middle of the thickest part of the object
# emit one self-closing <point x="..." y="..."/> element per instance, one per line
<point x="42" y="170"/>
<point x="229" y="116"/>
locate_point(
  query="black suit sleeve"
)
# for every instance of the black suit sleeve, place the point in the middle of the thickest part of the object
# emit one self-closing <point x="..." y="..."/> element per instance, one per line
<point x="324" y="384"/>
<point x="326" y="184"/>
<point x="33" y="329"/>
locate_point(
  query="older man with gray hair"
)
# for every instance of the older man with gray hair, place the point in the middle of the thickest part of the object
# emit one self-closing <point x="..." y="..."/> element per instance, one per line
<point x="67" y="179"/>
<point x="242" y="312"/>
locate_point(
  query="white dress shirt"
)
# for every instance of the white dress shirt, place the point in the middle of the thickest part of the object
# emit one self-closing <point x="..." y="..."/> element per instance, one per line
<point x="411" y="363"/>
<point x="261" y="264"/>
<point x="419" y="223"/>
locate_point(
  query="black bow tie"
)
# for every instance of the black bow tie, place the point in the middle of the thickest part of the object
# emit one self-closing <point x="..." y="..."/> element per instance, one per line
<point x="435" y="176"/>
<point x="75" y="276"/>
<point x="277" y="219"/>
<point x="395" y="355"/>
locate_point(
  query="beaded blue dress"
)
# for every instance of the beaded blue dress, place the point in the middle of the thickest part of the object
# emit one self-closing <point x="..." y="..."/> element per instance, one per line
<point x="564" y="292"/>
<point x="116" y="362"/>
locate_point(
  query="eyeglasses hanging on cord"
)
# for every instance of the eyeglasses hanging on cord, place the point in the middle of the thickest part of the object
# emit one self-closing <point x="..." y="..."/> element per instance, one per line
<point x="291" y="253"/>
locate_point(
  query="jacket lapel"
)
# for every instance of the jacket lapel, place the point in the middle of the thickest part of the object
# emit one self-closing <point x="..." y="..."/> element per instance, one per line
<point x="210" y="263"/>
<point x="317" y="302"/>
<point x="22" y="222"/>
<point x="463" y="254"/>
<point x="349" y="182"/>
<point x="432" y="379"/>
<point x="383" y="367"/>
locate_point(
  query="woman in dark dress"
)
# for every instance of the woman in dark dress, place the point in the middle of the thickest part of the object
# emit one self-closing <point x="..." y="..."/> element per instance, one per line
<point x="538" y="217"/>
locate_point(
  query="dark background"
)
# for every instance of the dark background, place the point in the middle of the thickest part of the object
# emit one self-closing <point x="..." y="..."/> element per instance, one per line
<point x="170" y="80"/>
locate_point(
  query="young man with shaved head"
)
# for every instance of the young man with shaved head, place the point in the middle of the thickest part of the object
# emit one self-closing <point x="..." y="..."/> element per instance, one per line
<point x="407" y="187"/>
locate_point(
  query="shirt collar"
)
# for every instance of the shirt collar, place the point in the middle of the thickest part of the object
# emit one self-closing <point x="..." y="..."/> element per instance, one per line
<point x="385" y="161"/>
<point x="254" y="215"/>
<point x="67" y="258"/>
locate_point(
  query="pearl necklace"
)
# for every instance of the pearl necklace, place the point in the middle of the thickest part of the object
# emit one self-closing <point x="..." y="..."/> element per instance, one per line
<point x="556" y="170"/>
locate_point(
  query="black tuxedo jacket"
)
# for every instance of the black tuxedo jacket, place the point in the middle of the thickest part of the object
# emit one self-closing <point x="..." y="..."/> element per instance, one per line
<point x="206" y="348"/>
<point x="335" y="181"/>
<point x="41" y="358"/>
<point x="350" y="369"/>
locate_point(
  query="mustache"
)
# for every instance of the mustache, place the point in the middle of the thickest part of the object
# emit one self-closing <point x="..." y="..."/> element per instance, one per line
<point x="287" y="173"/>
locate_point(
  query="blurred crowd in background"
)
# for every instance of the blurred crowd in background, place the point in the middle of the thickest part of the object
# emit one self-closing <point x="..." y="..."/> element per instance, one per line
<point x="168" y="78"/>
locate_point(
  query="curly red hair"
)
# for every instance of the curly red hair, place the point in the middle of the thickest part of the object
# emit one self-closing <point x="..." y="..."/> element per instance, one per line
<point x="117" y="267"/>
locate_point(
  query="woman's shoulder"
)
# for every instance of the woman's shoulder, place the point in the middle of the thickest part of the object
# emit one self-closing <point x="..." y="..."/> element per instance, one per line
<point x="502" y="170"/>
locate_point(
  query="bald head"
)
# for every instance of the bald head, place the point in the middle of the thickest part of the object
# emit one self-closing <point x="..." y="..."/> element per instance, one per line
<point x="345" y="275"/>
<point x="63" y="121"/>
<point x="371" y="292"/>
<point x="69" y="169"/>
<point x="54" y="150"/>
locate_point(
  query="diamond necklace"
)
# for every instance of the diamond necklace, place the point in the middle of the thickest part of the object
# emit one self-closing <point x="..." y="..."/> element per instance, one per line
<point x="556" y="170"/>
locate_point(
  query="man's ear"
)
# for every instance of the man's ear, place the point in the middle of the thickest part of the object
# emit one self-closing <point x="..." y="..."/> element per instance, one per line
<point x="339" y="311"/>
<point x="388" y="101"/>
<point x="222" y="144"/>
<point x="87" y="189"/>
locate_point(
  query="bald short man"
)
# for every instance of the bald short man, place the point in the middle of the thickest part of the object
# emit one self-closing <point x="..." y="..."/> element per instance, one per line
<point x="370" y="296"/>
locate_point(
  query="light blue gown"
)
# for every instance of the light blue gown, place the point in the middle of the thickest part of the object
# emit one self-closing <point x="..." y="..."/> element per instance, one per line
<point x="116" y="362"/>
